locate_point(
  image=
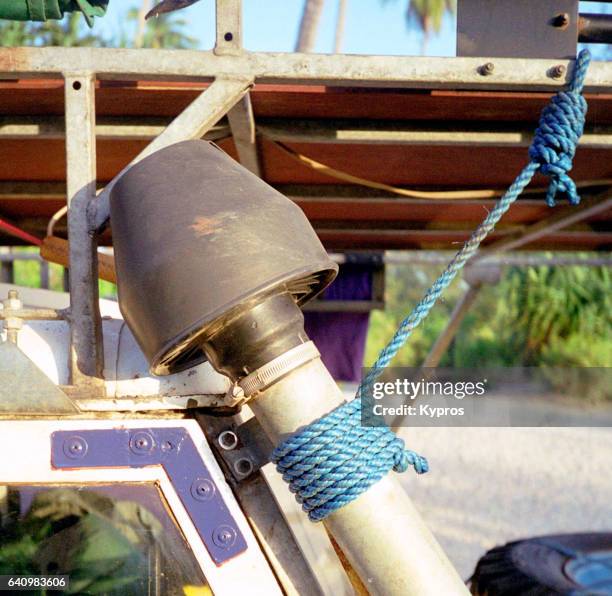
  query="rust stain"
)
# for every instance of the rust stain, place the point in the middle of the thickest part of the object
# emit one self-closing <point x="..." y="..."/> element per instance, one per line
<point x="204" y="226"/>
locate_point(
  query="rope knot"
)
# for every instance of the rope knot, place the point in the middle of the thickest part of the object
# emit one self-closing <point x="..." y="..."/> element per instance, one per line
<point x="558" y="134"/>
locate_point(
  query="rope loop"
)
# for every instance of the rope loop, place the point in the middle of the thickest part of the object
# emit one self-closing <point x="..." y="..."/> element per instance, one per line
<point x="330" y="462"/>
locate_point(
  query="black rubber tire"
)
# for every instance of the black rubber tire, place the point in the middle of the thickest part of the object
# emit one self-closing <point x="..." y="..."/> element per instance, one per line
<point x="535" y="567"/>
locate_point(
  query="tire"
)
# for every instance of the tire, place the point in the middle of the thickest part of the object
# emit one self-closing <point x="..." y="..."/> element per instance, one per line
<point x="566" y="564"/>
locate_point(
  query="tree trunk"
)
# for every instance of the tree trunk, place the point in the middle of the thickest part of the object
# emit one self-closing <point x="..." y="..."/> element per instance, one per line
<point x="309" y="25"/>
<point x="141" y="26"/>
<point x="340" y="24"/>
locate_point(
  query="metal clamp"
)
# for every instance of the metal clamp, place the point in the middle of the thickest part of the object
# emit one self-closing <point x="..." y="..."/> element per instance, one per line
<point x="264" y="376"/>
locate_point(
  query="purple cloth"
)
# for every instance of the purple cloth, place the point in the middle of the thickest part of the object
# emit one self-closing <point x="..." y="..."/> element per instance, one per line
<point x="341" y="336"/>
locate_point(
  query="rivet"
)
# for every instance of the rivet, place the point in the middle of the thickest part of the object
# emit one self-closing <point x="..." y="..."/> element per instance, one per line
<point x="141" y="443"/>
<point x="203" y="489"/>
<point x="224" y="536"/>
<point x="75" y="447"/>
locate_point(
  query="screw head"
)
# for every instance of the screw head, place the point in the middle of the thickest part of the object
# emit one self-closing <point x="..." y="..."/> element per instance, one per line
<point x="141" y="443"/>
<point x="203" y="489"/>
<point x="561" y="20"/>
<point x="558" y="71"/>
<point x="224" y="536"/>
<point x="487" y="69"/>
<point x="243" y="467"/>
<point x="227" y="440"/>
<point x="75" y="447"/>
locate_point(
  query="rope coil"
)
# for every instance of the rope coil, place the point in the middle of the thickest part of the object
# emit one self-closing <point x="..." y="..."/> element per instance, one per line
<point x="330" y="462"/>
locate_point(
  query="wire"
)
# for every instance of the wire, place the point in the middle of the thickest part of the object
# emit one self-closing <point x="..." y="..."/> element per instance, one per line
<point x="415" y="194"/>
<point x="55" y="218"/>
<point x="13" y="230"/>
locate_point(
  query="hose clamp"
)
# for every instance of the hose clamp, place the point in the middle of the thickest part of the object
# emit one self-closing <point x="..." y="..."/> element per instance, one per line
<point x="271" y="372"/>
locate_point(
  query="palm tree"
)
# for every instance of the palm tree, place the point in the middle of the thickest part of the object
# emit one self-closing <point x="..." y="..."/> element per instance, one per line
<point x="340" y="24"/>
<point x="549" y="304"/>
<point x="163" y="31"/>
<point x="427" y="15"/>
<point x="142" y="24"/>
<point x="309" y="25"/>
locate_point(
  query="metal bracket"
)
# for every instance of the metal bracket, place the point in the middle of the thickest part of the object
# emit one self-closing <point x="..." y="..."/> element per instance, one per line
<point x="174" y="450"/>
<point x="243" y="448"/>
<point x="516" y="29"/>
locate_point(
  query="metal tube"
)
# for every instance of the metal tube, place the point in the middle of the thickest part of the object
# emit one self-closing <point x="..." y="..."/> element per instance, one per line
<point x="86" y="325"/>
<point x="229" y="27"/>
<point x="595" y="28"/>
<point x="335" y="70"/>
<point x="381" y="532"/>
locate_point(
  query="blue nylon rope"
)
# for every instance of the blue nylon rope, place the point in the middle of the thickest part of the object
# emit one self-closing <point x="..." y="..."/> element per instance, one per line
<point x="336" y="458"/>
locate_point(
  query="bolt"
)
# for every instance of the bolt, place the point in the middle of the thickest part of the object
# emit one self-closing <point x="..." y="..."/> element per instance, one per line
<point x="227" y="440"/>
<point x="12" y="301"/>
<point x="556" y="72"/>
<point x="487" y="69"/>
<point x="12" y="323"/>
<point x="561" y="20"/>
<point x="224" y="536"/>
<point x="243" y="467"/>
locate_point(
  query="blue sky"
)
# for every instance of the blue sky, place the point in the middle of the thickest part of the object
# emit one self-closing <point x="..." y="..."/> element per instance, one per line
<point x="372" y="26"/>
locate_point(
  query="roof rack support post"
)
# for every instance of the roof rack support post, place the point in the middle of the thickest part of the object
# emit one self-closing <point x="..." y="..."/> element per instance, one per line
<point x="242" y="123"/>
<point x="229" y="27"/>
<point x="87" y="353"/>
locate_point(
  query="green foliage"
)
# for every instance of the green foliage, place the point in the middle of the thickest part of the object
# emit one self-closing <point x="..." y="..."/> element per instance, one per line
<point x="71" y="31"/>
<point x="405" y="287"/>
<point x="542" y="316"/>
<point x="27" y="274"/>
<point x="100" y="543"/>
<point x="427" y="15"/>
<point x="165" y="31"/>
<point x="550" y="304"/>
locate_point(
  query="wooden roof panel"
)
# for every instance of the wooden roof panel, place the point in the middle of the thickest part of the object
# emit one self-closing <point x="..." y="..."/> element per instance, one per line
<point x="375" y="222"/>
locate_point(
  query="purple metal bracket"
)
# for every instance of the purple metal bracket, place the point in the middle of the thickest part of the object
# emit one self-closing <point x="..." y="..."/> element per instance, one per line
<point x="171" y="448"/>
